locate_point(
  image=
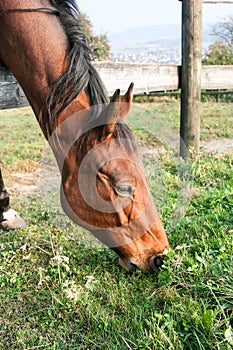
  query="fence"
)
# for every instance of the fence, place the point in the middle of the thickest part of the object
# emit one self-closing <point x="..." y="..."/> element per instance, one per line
<point x="146" y="77"/>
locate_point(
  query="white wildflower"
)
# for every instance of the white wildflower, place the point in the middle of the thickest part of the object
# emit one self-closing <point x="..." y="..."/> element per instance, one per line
<point x="71" y="290"/>
<point x="91" y="282"/>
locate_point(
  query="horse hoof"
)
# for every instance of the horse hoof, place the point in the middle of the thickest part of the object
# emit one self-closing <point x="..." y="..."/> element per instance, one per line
<point x="10" y="220"/>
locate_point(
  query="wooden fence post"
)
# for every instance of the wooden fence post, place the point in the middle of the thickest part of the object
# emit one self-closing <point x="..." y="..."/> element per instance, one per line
<point x="191" y="77"/>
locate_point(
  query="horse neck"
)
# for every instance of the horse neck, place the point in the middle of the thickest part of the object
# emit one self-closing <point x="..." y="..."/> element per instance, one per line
<point x="34" y="46"/>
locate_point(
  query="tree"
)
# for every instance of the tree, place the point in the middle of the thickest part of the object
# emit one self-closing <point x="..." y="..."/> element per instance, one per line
<point x="224" y="31"/>
<point x="99" y="43"/>
<point x="218" y="53"/>
<point x="221" y="51"/>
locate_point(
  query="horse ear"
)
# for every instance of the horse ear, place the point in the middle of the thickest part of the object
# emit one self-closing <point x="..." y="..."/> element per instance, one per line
<point x="110" y="115"/>
<point x="125" y="102"/>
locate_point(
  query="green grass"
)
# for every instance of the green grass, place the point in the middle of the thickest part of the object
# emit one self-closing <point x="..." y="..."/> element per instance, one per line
<point x="216" y="118"/>
<point x="60" y="290"/>
<point x="20" y="132"/>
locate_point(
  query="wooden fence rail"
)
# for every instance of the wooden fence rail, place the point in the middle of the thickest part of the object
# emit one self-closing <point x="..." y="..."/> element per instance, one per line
<point x="146" y="77"/>
<point x="11" y="94"/>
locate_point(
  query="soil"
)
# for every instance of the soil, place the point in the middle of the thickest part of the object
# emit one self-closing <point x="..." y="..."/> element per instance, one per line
<point x="221" y="146"/>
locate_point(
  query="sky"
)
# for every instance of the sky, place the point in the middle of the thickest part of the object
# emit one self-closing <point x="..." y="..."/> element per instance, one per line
<point x="119" y="15"/>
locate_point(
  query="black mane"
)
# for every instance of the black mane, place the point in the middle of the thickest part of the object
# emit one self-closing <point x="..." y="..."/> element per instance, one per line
<point x="80" y="75"/>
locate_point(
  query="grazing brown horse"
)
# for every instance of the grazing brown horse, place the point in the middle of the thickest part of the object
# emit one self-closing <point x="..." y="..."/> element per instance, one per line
<point x="103" y="185"/>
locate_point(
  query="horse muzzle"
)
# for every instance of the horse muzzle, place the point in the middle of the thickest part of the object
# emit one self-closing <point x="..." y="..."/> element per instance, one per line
<point x="149" y="265"/>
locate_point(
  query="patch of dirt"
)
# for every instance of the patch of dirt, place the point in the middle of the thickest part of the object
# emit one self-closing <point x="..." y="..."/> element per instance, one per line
<point x="221" y="146"/>
<point x="23" y="184"/>
<point x="218" y="146"/>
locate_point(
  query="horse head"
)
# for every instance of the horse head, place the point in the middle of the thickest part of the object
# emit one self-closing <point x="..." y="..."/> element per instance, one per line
<point x="104" y="188"/>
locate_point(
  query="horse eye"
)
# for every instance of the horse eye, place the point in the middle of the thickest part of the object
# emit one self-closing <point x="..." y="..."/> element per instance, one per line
<point x="125" y="189"/>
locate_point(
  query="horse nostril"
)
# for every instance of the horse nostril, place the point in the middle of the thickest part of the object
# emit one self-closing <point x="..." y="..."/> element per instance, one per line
<point x="156" y="262"/>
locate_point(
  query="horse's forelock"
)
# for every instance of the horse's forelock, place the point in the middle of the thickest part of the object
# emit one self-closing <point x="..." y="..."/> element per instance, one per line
<point x="122" y="135"/>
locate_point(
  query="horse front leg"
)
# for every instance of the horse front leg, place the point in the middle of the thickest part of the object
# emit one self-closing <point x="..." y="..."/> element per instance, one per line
<point x="9" y="218"/>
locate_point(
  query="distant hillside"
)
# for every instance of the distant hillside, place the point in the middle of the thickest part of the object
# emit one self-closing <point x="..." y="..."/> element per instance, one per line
<point x="145" y="34"/>
<point x="163" y="36"/>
